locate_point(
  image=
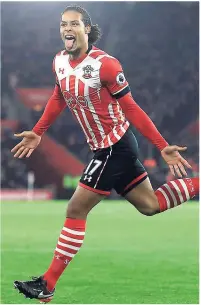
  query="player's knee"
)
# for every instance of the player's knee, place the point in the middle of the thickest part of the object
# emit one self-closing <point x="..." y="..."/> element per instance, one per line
<point x="151" y="212"/>
<point x="76" y="212"/>
<point x="152" y="207"/>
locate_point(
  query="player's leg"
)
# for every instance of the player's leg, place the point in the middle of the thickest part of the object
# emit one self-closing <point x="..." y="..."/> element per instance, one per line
<point x="94" y="185"/>
<point x="168" y="196"/>
<point x="70" y="241"/>
<point x="72" y="235"/>
<point x="133" y="183"/>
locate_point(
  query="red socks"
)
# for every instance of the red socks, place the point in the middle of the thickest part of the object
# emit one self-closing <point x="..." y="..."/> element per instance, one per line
<point x="176" y="192"/>
<point x="69" y="243"/>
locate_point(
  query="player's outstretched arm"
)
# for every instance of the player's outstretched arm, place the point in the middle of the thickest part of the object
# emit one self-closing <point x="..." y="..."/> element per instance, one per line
<point x="141" y="121"/>
<point x="144" y="124"/>
<point x="55" y="105"/>
<point x="113" y="78"/>
<point x="31" y="139"/>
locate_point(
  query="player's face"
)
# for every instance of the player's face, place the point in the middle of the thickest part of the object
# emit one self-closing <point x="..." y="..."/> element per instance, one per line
<point x="73" y="32"/>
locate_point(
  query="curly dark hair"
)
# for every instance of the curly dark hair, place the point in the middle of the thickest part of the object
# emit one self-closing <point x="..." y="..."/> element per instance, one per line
<point x="95" y="33"/>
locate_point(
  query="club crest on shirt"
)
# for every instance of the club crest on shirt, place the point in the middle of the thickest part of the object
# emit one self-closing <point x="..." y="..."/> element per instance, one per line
<point x="87" y="71"/>
<point x="120" y="78"/>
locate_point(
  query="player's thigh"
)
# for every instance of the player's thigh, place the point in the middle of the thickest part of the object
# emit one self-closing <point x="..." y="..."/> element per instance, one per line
<point x="82" y="201"/>
<point x="143" y="198"/>
<point x="132" y="175"/>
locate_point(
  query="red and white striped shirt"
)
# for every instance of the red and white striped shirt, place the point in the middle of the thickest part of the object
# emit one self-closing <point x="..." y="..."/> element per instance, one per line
<point x="89" y="88"/>
<point x="96" y="91"/>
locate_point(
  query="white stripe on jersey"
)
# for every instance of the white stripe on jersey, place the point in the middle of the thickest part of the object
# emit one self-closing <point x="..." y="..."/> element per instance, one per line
<point x="84" y="117"/>
<point x="109" y="140"/>
<point x="120" y="112"/>
<point x="115" y="120"/>
<point x="93" y="112"/>
<point x="111" y="112"/>
<point x="122" y="128"/>
<point x="78" y="118"/>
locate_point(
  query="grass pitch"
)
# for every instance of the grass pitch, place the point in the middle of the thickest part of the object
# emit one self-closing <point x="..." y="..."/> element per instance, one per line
<point x="127" y="258"/>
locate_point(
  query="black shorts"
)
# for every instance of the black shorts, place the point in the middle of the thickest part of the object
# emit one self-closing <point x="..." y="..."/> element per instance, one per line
<point x="116" y="167"/>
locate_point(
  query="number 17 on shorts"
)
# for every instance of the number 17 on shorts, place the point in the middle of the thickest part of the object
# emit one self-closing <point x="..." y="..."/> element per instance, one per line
<point x="92" y="174"/>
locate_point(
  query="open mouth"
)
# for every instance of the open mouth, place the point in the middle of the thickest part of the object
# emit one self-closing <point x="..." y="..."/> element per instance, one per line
<point x="70" y="39"/>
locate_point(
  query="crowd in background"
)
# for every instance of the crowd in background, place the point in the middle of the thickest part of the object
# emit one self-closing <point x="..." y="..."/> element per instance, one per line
<point x="13" y="171"/>
<point x="157" y="44"/>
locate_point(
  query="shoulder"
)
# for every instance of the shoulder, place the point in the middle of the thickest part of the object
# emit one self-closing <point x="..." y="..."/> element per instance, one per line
<point x="57" y="57"/>
<point x="61" y="53"/>
<point x="108" y="63"/>
<point x="101" y="55"/>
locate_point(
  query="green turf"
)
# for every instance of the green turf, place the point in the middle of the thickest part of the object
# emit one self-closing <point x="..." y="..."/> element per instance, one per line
<point x="126" y="258"/>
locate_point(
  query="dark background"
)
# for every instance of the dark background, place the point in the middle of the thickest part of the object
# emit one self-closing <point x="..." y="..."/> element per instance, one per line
<point x="157" y="44"/>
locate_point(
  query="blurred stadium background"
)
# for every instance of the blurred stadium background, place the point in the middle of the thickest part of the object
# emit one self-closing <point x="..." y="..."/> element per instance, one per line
<point x="158" y="46"/>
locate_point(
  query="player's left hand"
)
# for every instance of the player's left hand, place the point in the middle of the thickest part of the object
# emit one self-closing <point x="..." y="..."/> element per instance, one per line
<point x="174" y="160"/>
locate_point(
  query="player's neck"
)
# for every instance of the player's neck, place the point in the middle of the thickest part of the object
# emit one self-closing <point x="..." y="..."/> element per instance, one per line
<point x="80" y="54"/>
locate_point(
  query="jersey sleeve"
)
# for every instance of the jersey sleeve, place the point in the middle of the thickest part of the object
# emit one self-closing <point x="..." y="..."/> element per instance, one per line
<point x="141" y="121"/>
<point x="112" y="76"/>
<point x="55" y="105"/>
<point x="54" y="71"/>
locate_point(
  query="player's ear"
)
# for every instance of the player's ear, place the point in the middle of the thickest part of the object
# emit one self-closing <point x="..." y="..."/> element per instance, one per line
<point x="87" y="29"/>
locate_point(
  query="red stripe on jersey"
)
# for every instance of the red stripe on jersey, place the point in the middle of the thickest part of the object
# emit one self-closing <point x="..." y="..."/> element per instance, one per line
<point x="94" y="96"/>
<point x="118" y="120"/>
<point x="100" y="129"/>
<point x="96" y="54"/>
<point x="92" y="113"/>
<point x="107" y="141"/>
<point x="72" y="84"/>
<point x="63" y="85"/>
<point x="85" y="112"/>
<point x="120" y="130"/>
<point x="119" y="113"/>
<point x="72" y="105"/>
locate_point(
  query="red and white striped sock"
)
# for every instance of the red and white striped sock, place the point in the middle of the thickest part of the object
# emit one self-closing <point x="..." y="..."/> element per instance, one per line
<point x="176" y="192"/>
<point x="69" y="243"/>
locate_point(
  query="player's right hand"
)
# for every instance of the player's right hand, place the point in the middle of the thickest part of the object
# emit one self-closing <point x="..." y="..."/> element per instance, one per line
<point x="29" y="142"/>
